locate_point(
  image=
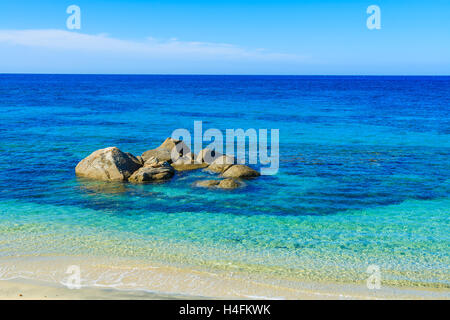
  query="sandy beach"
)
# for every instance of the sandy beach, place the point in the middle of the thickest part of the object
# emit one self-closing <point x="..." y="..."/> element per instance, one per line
<point x="27" y="289"/>
<point x="22" y="289"/>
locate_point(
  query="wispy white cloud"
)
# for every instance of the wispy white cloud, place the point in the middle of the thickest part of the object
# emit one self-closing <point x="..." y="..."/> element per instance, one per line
<point x="61" y="40"/>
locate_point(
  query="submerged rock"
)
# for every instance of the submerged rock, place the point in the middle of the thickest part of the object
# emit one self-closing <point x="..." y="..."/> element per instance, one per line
<point x="229" y="184"/>
<point x="149" y="173"/>
<point x="207" y="183"/>
<point x="109" y="164"/>
<point x="221" y="184"/>
<point x="188" y="166"/>
<point x="240" y="171"/>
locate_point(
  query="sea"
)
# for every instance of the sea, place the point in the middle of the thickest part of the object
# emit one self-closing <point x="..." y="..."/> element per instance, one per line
<point x="362" y="189"/>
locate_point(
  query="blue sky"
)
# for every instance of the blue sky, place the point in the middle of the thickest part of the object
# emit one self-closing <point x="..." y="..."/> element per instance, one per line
<point x="226" y="37"/>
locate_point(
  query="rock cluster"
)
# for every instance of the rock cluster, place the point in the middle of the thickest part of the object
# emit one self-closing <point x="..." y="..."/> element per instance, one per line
<point x="111" y="164"/>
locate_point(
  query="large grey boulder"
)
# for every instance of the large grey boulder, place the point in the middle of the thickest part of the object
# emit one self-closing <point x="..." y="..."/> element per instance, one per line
<point x="109" y="164"/>
<point x="149" y="173"/>
<point x="167" y="150"/>
<point x="240" y="171"/>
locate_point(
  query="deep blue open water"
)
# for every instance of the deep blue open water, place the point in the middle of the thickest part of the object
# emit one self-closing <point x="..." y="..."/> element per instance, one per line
<point x="364" y="174"/>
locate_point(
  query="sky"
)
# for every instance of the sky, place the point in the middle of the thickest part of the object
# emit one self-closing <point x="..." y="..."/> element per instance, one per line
<point x="328" y="37"/>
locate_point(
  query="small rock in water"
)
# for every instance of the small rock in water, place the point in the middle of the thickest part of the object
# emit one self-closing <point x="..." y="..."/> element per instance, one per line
<point x="207" y="183"/>
<point x="222" y="184"/>
<point x="229" y="184"/>
<point x="240" y="171"/>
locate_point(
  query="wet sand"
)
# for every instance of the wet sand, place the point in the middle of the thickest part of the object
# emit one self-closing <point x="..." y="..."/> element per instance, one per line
<point x="25" y="289"/>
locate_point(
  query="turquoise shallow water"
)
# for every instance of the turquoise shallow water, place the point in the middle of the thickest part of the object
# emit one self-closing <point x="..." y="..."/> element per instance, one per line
<point x="364" y="175"/>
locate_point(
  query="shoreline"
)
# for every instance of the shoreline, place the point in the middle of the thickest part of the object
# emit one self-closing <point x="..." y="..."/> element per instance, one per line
<point x="102" y="278"/>
<point x="27" y="289"/>
<point x="21" y="288"/>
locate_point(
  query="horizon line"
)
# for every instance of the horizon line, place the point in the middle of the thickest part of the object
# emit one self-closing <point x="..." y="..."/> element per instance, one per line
<point x="231" y="74"/>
